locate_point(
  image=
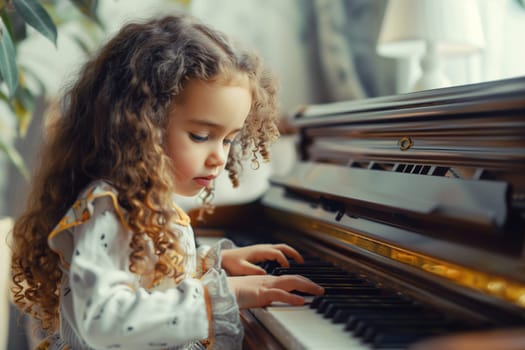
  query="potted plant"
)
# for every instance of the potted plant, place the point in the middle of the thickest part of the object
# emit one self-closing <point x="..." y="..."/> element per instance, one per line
<point x="17" y="94"/>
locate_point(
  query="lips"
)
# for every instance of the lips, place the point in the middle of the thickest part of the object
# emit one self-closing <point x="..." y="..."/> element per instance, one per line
<point x="204" y="181"/>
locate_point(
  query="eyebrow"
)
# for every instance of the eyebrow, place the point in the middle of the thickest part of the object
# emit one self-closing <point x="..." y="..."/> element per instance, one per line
<point x="208" y="123"/>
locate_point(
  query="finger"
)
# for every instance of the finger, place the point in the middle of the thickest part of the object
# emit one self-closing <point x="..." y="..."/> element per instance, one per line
<point x="298" y="283"/>
<point x="248" y="268"/>
<point x="290" y="252"/>
<point x="270" y="252"/>
<point x="280" y="258"/>
<point x="275" y="294"/>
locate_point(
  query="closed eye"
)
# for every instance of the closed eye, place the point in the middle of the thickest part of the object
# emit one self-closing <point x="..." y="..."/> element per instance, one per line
<point x="232" y="138"/>
<point x="198" y="138"/>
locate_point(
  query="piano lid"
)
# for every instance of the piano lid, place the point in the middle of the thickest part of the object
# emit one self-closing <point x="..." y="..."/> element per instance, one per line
<point x="454" y="156"/>
<point x="507" y="95"/>
<point x="433" y="178"/>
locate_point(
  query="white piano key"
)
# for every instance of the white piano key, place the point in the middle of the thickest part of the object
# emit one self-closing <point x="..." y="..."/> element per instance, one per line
<point x="301" y="328"/>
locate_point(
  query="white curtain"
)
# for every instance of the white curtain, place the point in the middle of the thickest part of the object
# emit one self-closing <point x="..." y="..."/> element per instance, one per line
<point x="504" y="25"/>
<point x="503" y="56"/>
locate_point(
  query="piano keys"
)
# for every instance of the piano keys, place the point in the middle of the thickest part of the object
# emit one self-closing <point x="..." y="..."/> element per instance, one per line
<point x="354" y="313"/>
<point x="411" y="210"/>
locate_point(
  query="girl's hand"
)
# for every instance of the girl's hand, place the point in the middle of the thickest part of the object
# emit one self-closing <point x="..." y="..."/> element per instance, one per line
<point x="239" y="261"/>
<point x="259" y="291"/>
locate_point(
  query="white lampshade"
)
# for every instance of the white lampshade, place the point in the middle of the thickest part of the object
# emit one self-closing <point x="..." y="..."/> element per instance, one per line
<point x="433" y="28"/>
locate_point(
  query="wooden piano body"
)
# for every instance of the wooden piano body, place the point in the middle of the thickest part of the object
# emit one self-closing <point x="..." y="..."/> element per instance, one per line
<point x="421" y="195"/>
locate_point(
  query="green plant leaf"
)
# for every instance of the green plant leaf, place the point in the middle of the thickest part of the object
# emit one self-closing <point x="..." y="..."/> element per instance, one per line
<point x="5" y="98"/>
<point x="15" y="158"/>
<point x="89" y="9"/>
<point x="37" y="17"/>
<point x="15" y="24"/>
<point x="8" y="67"/>
<point x="24" y="105"/>
<point x="28" y="73"/>
<point x="81" y="44"/>
<point x="185" y="3"/>
<point x="7" y="23"/>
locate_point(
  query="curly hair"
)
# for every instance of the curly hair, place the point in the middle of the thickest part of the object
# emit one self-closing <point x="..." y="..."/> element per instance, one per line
<point x="110" y="125"/>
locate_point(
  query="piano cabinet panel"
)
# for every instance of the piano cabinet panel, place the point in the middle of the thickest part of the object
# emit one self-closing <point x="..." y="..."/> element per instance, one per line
<point x="256" y="336"/>
<point x="508" y="339"/>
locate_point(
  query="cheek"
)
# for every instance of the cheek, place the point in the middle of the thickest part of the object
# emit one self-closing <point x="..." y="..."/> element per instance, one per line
<point x="188" y="160"/>
<point x="184" y="164"/>
<point x="178" y="153"/>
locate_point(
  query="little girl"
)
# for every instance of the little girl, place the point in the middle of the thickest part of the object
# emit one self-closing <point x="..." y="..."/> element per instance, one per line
<point x="102" y="256"/>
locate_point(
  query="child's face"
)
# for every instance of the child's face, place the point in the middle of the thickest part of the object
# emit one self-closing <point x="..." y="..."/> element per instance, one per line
<point x="201" y="128"/>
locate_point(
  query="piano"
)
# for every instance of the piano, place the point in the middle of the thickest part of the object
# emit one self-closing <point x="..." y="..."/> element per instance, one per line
<point x="410" y="210"/>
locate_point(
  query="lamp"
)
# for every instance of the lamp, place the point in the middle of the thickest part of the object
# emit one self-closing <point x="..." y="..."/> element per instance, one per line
<point x="429" y="29"/>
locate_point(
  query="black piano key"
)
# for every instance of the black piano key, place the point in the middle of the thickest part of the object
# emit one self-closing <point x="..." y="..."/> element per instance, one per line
<point x="342" y="286"/>
<point x="364" y="294"/>
<point x="370" y="328"/>
<point x="345" y="290"/>
<point x="350" y="290"/>
<point x="351" y="317"/>
<point x="352" y="320"/>
<point x="387" y="305"/>
<point x="270" y="265"/>
<point x="336" y="279"/>
<point x="316" y="301"/>
<point x="311" y="262"/>
<point x="368" y="308"/>
<point x="398" y="336"/>
<point x="382" y="335"/>
<point x="381" y="317"/>
<point x="401" y="335"/>
<point x="345" y="300"/>
<point x="312" y="271"/>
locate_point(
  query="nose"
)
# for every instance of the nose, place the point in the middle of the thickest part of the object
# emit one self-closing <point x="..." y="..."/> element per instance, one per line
<point x="217" y="156"/>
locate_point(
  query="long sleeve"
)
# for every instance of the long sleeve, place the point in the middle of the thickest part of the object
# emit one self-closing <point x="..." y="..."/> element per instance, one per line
<point x="228" y="333"/>
<point x="108" y="307"/>
<point x="209" y="257"/>
<point x="104" y="305"/>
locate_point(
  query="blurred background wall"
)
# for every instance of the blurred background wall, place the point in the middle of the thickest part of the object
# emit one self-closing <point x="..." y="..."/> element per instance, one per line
<point x="321" y="51"/>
